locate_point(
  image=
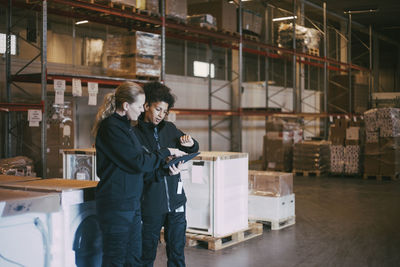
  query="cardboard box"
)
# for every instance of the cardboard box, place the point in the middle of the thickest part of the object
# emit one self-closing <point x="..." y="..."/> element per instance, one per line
<point x="267" y="183"/>
<point x="371" y="164"/>
<point x="251" y="22"/>
<point x="224" y="12"/>
<point x="277" y="153"/>
<point x="337" y="135"/>
<point x="389" y="162"/>
<point x="176" y="9"/>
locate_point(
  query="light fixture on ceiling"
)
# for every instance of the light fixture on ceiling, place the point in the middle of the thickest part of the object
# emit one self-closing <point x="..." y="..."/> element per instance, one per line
<point x="81" y="22"/>
<point x="231" y="2"/>
<point x="362" y="11"/>
<point x="284" y="18"/>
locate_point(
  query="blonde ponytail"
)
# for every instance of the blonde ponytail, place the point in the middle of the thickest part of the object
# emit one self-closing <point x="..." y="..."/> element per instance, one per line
<point x="126" y="92"/>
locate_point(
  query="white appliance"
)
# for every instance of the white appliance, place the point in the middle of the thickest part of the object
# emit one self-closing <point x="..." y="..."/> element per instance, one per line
<point x="216" y="187"/>
<point x="277" y="210"/>
<point x="49" y="222"/>
<point x="80" y="164"/>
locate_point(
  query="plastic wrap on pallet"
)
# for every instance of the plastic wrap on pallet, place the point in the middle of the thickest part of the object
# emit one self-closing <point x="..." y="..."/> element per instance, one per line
<point x="143" y="68"/>
<point x="202" y="19"/>
<point x="371" y="120"/>
<point x="352" y="159"/>
<point x="133" y="55"/>
<point x="337" y="159"/>
<point x="278" y="151"/>
<point x="372" y="136"/>
<point x="142" y="43"/>
<point x="268" y="183"/>
<point x="153" y="6"/>
<point x="278" y="144"/>
<point x="18" y="166"/>
<point x="125" y="2"/>
<point x="311" y="156"/>
<point x="251" y="21"/>
<point x="146" y="43"/>
<point x="389" y="122"/>
<point x="176" y="9"/>
<point x="389" y="155"/>
<point x="305" y="37"/>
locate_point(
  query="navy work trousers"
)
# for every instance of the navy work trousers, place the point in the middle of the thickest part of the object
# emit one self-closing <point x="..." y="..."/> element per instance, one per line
<point x="122" y="238"/>
<point x="174" y="234"/>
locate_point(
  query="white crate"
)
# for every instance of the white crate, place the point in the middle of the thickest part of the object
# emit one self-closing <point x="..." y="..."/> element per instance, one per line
<point x="42" y="220"/>
<point x="279" y="211"/>
<point x="216" y="190"/>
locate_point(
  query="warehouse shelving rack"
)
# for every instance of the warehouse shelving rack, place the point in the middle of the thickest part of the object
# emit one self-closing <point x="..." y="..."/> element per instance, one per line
<point x="101" y="12"/>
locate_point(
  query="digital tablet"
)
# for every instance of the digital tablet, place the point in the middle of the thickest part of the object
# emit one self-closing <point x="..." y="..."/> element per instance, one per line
<point x="184" y="158"/>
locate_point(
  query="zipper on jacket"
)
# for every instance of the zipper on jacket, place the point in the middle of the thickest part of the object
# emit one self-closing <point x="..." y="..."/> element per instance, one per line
<point x="165" y="178"/>
<point x="166" y="191"/>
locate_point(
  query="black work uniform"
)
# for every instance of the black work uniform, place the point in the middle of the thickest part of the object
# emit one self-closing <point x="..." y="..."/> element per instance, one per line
<point x="121" y="163"/>
<point x="162" y="204"/>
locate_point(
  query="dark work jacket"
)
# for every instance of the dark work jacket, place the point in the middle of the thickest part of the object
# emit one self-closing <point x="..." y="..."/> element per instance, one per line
<point x="121" y="163"/>
<point x="155" y="200"/>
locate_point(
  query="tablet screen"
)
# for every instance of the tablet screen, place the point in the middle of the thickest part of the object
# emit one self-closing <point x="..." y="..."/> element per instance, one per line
<point x="184" y="158"/>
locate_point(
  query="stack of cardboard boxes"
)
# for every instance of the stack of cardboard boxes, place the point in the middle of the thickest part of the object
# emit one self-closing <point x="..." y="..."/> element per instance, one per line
<point x="133" y="55"/>
<point x="222" y="11"/>
<point x="382" y="154"/>
<point x="176" y="9"/>
<point x="150" y="5"/>
<point x="278" y="145"/>
<point x="311" y="156"/>
<point x="252" y="22"/>
<point x="346" y="148"/>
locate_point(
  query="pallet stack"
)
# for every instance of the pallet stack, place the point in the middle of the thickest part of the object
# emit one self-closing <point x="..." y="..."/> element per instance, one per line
<point x="223" y="12"/>
<point x="133" y="56"/>
<point x="311" y="157"/>
<point x="346" y="137"/>
<point x="271" y="198"/>
<point x="382" y="154"/>
<point x="176" y="10"/>
<point x="278" y="145"/>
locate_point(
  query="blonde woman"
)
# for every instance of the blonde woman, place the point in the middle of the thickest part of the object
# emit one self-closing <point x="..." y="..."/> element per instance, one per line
<point x="121" y="162"/>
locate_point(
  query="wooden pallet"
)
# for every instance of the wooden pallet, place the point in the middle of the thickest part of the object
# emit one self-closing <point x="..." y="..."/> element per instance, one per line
<point x="217" y="243"/>
<point x="145" y="78"/>
<point x="380" y="177"/>
<point x="278" y="224"/>
<point x="236" y="34"/>
<point x="251" y="37"/>
<point x="208" y="26"/>
<point x="121" y="5"/>
<point x="176" y="19"/>
<point x="307" y="173"/>
<point x="313" y="51"/>
<point x="147" y="12"/>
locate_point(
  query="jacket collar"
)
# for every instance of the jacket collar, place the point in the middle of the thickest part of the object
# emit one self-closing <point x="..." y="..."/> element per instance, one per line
<point x="123" y="119"/>
<point x="149" y="125"/>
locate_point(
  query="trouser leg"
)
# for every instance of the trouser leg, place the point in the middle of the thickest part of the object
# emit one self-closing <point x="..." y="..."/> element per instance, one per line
<point x="175" y="238"/>
<point x="134" y="247"/>
<point x="151" y="228"/>
<point x="116" y="227"/>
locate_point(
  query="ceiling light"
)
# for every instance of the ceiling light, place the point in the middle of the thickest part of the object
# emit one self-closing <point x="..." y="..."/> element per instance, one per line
<point x="81" y="22"/>
<point x="284" y="18"/>
<point x="361" y="11"/>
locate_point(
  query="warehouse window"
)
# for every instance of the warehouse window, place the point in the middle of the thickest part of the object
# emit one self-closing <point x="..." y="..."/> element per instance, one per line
<point x="201" y="69"/>
<point x="3" y="44"/>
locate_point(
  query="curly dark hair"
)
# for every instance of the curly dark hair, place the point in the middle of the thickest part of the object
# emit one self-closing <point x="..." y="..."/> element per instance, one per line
<point x="157" y="92"/>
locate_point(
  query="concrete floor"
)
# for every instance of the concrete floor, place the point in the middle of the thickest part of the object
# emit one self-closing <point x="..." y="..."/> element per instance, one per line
<point x="339" y="222"/>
